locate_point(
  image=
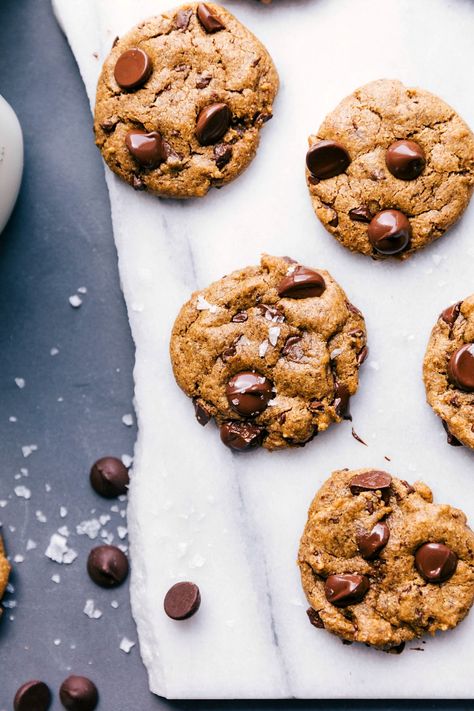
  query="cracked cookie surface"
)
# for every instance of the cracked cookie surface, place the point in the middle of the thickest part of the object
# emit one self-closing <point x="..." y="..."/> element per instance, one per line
<point x="384" y="565"/>
<point x="4" y="571"/>
<point x="448" y="371"/>
<point x="271" y="352"/>
<point x="192" y="58"/>
<point x="368" y="123"/>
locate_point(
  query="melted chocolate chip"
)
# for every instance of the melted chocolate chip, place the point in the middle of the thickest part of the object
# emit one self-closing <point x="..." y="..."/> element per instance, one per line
<point x="241" y="435"/>
<point x="107" y="566"/>
<point x="389" y="232"/>
<point x="370" y="481"/>
<point x="461" y="368"/>
<point x="360" y="214"/>
<point x="222" y="154"/>
<point x="314" y="618"/>
<point x="302" y="283"/>
<point x="32" y="696"/>
<point x="249" y="393"/>
<point x="370" y="544"/>
<point x="405" y="159"/>
<point x="326" y="159"/>
<point x="182" y="601"/>
<point x="78" y="693"/>
<point x="208" y="20"/>
<point x="212" y="123"/>
<point x="344" y="590"/>
<point x="293" y="350"/>
<point x="201" y="412"/>
<point x="450" y="314"/>
<point x="132" y="69"/>
<point x="240" y="317"/>
<point x="109" y="477"/>
<point x="146" y="148"/>
<point x="435" y="562"/>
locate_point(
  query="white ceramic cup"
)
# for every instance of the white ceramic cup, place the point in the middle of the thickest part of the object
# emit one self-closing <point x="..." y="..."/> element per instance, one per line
<point x="11" y="160"/>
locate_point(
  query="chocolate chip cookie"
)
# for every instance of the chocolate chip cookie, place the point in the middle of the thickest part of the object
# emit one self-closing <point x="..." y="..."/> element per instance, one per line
<point x="390" y="169"/>
<point x="4" y="571"/>
<point x="271" y="352"/>
<point x="448" y="371"/>
<point x="381" y="563"/>
<point x="181" y="100"/>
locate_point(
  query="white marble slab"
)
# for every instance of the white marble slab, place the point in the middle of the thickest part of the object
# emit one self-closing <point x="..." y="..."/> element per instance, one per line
<point x="231" y="523"/>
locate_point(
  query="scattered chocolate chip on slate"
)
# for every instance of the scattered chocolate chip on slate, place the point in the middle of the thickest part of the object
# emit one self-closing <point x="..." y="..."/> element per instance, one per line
<point x="182" y="601"/>
<point x="147" y="148"/>
<point x="326" y="159"/>
<point x="208" y="20"/>
<point x="302" y="283"/>
<point x="360" y="214"/>
<point x="107" y="566"/>
<point x="212" y="123"/>
<point x="132" y="69"/>
<point x="370" y="544"/>
<point x="249" y="393"/>
<point x="344" y="590"/>
<point x="370" y="481"/>
<point x="435" y="562"/>
<point x="78" y="693"/>
<point x="241" y="435"/>
<point x="389" y="232"/>
<point x="109" y="477"/>
<point x="405" y="159"/>
<point x="461" y="368"/>
<point x="32" y="696"/>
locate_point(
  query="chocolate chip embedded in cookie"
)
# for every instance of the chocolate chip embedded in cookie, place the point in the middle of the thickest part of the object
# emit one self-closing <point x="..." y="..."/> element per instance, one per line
<point x="271" y="352"/>
<point x="448" y="371"/>
<point x="4" y="571"/>
<point x="381" y="563"/>
<point x="390" y="169"/>
<point x="181" y="101"/>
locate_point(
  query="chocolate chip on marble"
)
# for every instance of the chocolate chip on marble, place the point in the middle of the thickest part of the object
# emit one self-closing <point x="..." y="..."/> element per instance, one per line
<point x="240" y="317"/>
<point x="182" y="601"/>
<point x="302" y="283"/>
<point x="109" y="477"/>
<point x="344" y="590"/>
<point x="146" y="148"/>
<point x="222" y="154"/>
<point x="314" y="618"/>
<point x="341" y="401"/>
<point x="371" y="543"/>
<point x="107" y="566"/>
<point x="360" y="214"/>
<point x="461" y="368"/>
<point x="241" y="435"/>
<point x="132" y="69"/>
<point x="212" y="123"/>
<point x="451" y="439"/>
<point x="208" y="20"/>
<point x="326" y="159"/>
<point x="271" y="313"/>
<point x="293" y="350"/>
<point x="33" y="695"/>
<point x="389" y="232"/>
<point x="373" y="480"/>
<point x="450" y="314"/>
<point x="78" y="693"/>
<point x="203" y="416"/>
<point x="435" y="562"/>
<point x="182" y="19"/>
<point x="405" y="159"/>
<point x="249" y="393"/>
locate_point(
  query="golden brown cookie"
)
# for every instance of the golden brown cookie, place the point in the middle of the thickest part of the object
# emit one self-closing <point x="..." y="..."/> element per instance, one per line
<point x="390" y="169"/>
<point x="271" y="352"/>
<point x="4" y="571"/>
<point x="448" y="371"/>
<point x="381" y="564"/>
<point x="181" y="101"/>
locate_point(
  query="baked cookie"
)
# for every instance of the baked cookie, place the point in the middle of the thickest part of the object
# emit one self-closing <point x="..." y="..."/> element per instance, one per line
<point x="181" y="100"/>
<point x="381" y="564"/>
<point x="271" y="352"/>
<point x="390" y="169"/>
<point x="448" y="371"/>
<point x="4" y="572"/>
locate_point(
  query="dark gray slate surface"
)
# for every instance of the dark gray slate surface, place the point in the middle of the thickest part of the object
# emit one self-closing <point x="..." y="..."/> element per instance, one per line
<point x="59" y="239"/>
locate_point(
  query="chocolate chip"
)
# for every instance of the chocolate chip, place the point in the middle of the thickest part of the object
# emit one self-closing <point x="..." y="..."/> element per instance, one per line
<point x="315" y="406"/>
<point x="132" y="69"/>
<point x="362" y="356"/>
<point x="78" y="693"/>
<point x="451" y="439"/>
<point x="228" y="353"/>
<point x="302" y="283"/>
<point x="360" y="214"/>
<point x="146" y="148"/>
<point x="435" y="562"/>
<point x="249" y="393"/>
<point x="405" y="159"/>
<point x="208" y="20"/>
<point x="137" y="183"/>
<point x="32" y="696"/>
<point x="389" y="232"/>
<point x="461" y="368"/>
<point x="334" y="221"/>
<point x="409" y="487"/>
<point x="203" y="81"/>
<point x="357" y="438"/>
<point x="202" y="413"/>
<point x="353" y="309"/>
<point x="343" y="590"/>
<point x="271" y="313"/>
<point x="450" y="314"/>
<point x="212" y="123"/>
<point x="370" y="544"/>
<point x="326" y="159"/>
<point x="182" y="601"/>
<point x="182" y="19"/>
<point x="107" y="566"/>
<point x="314" y="618"/>
<point x="341" y="401"/>
<point x="241" y="435"/>
<point x="222" y="154"/>
<point x="370" y="481"/>
<point x="109" y="477"/>
<point x="292" y="350"/>
<point x="240" y="317"/>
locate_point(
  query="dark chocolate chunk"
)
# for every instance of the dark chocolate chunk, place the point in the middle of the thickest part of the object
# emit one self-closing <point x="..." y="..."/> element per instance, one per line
<point x="182" y="601"/>
<point x="461" y="368"/>
<point x="314" y="618"/>
<point x="360" y="214"/>
<point x="147" y="148"/>
<point x="208" y="20"/>
<point x="132" y="69"/>
<point x="249" y="393"/>
<point x="212" y="123"/>
<point x="302" y="283"/>
<point x="370" y="481"/>
<point x="222" y="154"/>
<point x="109" y="477"/>
<point x="202" y="413"/>
<point x="182" y="19"/>
<point x="326" y="159"/>
<point x="389" y="232"/>
<point x="405" y="159"/>
<point x="344" y="590"/>
<point x="107" y="566"/>
<point x="370" y="544"/>
<point x="241" y="435"/>
<point x="450" y="314"/>
<point x="435" y="562"/>
<point x="32" y="696"/>
<point x="78" y="693"/>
